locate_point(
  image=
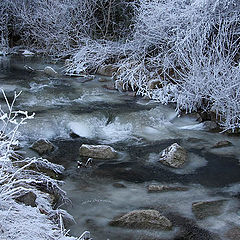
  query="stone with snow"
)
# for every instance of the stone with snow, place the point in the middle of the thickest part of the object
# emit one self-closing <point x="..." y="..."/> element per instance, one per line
<point x="174" y="156"/>
<point x="50" y="71"/>
<point x="143" y="219"/>
<point x="204" y="209"/>
<point x="42" y="146"/>
<point x="97" y="151"/>
<point x="164" y="188"/>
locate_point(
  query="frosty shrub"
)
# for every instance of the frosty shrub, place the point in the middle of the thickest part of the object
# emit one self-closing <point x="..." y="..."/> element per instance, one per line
<point x="192" y="49"/>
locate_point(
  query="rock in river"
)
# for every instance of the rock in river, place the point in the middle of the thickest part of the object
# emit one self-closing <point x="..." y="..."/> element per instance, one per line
<point x="50" y="71"/>
<point x="206" y="209"/>
<point x="174" y="156"/>
<point x="164" y="188"/>
<point x="143" y="219"/>
<point x="222" y="144"/>
<point x="42" y="146"/>
<point x="97" y="151"/>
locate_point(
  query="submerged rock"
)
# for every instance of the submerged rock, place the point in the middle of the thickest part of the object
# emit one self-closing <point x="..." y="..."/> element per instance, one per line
<point x="174" y="156"/>
<point x="97" y="151"/>
<point x="143" y="219"/>
<point x="42" y="146"/>
<point x="50" y="71"/>
<point x="164" y="188"/>
<point x="222" y="144"/>
<point x="206" y="209"/>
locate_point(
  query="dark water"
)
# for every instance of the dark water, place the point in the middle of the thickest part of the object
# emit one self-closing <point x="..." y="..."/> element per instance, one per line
<point x="139" y="130"/>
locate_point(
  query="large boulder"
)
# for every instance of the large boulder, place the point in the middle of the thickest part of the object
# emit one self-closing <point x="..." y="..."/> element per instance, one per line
<point x="42" y="146"/>
<point x="143" y="219"/>
<point x="97" y="151"/>
<point x="174" y="156"/>
<point x="206" y="209"/>
<point x="164" y="188"/>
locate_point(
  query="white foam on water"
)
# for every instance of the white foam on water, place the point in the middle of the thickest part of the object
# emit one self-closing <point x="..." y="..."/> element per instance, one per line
<point x="96" y="127"/>
<point x="82" y="129"/>
<point x="198" y="126"/>
<point x="116" y="131"/>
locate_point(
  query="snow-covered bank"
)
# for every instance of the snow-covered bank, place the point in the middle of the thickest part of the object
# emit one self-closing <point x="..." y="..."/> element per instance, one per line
<point x="27" y="193"/>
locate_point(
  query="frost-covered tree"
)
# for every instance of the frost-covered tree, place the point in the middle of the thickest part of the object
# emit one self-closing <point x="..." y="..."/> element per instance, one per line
<point x="190" y="47"/>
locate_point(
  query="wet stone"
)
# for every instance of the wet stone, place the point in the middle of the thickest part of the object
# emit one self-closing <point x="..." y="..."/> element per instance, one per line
<point x="50" y="71"/>
<point x="97" y="151"/>
<point x="164" y="188"/>
<point x="210" y="126"/>
<point x="206" y="209"/>
<point x="174" y="156"/>
<point x="42" y="146"/>
<point x="119" y="185"/>
<point x="222" y="144"/>
<point x="143" y="219"/>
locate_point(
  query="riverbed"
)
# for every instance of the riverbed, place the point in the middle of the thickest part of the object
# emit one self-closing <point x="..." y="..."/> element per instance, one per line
<point x="71" y="111"/>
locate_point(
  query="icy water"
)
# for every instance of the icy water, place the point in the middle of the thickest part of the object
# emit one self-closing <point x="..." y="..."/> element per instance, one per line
<point x="139" y="130"/>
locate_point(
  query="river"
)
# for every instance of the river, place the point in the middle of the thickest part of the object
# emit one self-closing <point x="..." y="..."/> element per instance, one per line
<point x="139" y="129"/>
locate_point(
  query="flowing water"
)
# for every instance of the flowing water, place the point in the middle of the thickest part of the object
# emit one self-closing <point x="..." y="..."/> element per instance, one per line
<point x="139" y="130"/>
